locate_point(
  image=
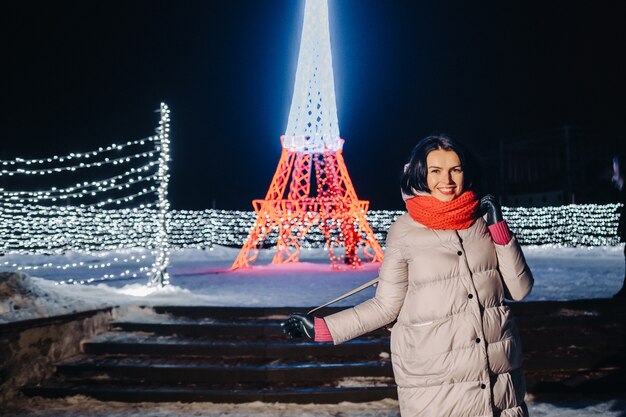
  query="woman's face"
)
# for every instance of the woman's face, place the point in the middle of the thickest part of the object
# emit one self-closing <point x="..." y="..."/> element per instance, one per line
<point x="445" y="175"/>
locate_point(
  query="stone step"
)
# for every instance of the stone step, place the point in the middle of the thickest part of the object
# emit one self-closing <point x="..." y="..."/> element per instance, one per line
<point x="223" y="372"/>
<point x="127" y="343"/>
<point x="220" y="330"/>
<point x="532" y="311"/>
<point x="139" y="393"/>
<point x="540" y="310"/>
<point x="608" y="383"/>
<point x="213" y="329"/>
<point x="231" y="313"/>
<point x="240" y="354"/>
<point x="606" y="339"/>
<point x="572" y="360"/>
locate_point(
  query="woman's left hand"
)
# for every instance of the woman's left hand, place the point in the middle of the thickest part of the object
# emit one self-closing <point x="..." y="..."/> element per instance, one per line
<point x="489" y="205"/>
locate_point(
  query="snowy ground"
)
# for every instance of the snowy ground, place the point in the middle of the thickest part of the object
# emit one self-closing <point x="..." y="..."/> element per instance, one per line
<point x="202" y="278"/>
<point x="84" y="407"/>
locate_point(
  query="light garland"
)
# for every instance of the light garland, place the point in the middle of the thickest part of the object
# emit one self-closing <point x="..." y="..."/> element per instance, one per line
<point x="71" y="156"/>
<point x="128" y="273"/>
<point x="82" y="165"/>
<point x="83" y="189"/>
<point x="83" y="193"/>
<point x="55" y="230"/>
<point x="570" y="225"/>
<point x="60" y="229"/>
<point x="92" y="229"/>
<point x="158" y="274"/>
<point x="34" y="222"/>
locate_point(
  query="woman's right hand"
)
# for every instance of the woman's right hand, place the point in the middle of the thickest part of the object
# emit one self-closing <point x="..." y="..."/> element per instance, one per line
<point x="299" y="325"/>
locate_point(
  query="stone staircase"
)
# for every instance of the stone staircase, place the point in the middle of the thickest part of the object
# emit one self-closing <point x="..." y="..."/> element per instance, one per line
<point x="222" y="355"/>
<point x="218" y="354"/>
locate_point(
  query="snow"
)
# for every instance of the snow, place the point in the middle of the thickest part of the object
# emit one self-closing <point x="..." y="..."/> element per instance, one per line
<point x="23" y="297"/>
<point x="202" y="277"/>
<point x="79" y="406"/>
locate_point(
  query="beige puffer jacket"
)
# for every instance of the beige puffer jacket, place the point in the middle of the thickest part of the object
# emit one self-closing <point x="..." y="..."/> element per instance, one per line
<point x="455" y="347"/>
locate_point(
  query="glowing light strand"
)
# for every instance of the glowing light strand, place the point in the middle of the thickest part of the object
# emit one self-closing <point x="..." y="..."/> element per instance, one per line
<point x="56" y="230"/>
<point x="159" y="275"/>
<point x="33" y="222"/>
<point x="118" y="201"/>
<point x="85" y="186"/>
<point x="313" y="125"/>
<point x="96" y="229"/>
<point x="91" y="190"/>
<point x="73" y="155"/>
<point x="82" y="165"/>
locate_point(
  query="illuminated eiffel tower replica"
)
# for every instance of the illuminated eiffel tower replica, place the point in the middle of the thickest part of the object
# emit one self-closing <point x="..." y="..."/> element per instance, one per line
<point x="311" y="188"/>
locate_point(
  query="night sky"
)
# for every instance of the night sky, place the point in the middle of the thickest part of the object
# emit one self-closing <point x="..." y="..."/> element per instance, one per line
<point x="82" y="74"/>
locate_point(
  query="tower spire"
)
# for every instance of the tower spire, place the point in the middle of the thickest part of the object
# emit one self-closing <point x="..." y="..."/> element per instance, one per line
<point x="311" y="189"/>
<point x="313" y="125"/>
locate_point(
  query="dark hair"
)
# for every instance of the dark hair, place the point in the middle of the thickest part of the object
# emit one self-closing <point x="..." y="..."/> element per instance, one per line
<point x="414" y="177"/>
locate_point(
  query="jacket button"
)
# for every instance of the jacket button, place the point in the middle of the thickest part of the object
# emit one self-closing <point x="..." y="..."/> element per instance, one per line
<point x="478" y="340"/>
<point x="470" y="295"/>
<point x="459" y="253"/>
<point x="483" y="386"/>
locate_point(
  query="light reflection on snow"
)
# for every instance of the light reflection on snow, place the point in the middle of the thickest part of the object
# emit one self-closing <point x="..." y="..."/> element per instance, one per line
<point x="203" y="278"/>
<point x="140" y="290"/>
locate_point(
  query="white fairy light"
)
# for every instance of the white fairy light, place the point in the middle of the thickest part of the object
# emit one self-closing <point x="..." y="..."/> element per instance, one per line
<point x="570" y="225"/>
<point x="313" y="125"/>
<point x="61" y="219"/>
<point x="59" y="229"/>
<point x="45" y="171"/>
<point x="85" y="187"/>
<point x="86" y="155"/>
<point x="90" y="191"/>
<point x="158" y="275"/>
<point x="83" y="217"/>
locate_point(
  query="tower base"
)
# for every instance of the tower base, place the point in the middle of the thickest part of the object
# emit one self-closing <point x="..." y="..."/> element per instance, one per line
<point x="335" y="210"/>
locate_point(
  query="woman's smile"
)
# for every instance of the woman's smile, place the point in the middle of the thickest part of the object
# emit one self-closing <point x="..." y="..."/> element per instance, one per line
<point x="447" y="190"/>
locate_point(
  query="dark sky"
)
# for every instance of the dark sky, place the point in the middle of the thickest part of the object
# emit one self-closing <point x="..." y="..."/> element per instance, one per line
<point x="80" y="74"/>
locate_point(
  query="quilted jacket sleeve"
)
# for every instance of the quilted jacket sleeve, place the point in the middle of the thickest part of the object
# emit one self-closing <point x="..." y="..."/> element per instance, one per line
<point x="385" y="306"/>
<point x="516" y="275"/>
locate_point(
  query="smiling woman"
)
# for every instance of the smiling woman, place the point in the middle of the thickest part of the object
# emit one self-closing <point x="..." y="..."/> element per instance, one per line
<point x="446" y="274"/>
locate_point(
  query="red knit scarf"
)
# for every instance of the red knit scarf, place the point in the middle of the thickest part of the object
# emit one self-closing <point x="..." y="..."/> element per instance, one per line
<point x="457" y="214"/>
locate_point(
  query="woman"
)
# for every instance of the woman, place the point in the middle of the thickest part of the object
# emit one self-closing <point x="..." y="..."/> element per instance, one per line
<point x="455" y="348"/>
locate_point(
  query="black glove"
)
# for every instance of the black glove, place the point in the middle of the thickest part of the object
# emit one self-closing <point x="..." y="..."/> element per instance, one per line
<point x="299" y="325"/>
<point x="489" y="205"/>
